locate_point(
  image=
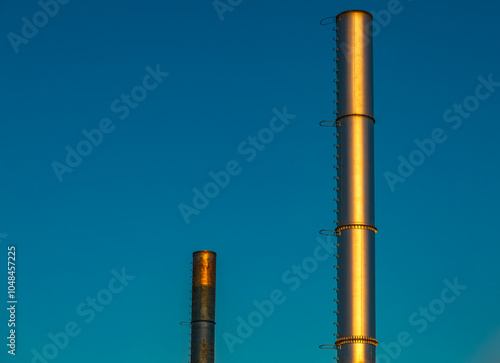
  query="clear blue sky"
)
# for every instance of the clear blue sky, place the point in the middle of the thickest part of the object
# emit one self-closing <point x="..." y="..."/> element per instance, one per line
<point x="176" y="92"/>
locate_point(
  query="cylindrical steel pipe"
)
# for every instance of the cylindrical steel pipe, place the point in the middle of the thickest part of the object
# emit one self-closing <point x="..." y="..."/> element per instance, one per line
<point x="203" y="307"/>
<point x="355" y="62"/>
<point x="356" y="220"/>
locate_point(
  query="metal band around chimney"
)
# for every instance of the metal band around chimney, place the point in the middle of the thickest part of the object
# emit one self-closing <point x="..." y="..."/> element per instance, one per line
<point x="203" y="321"/>
<point x="356" y="339"/>
<point x="355" y="226"/>
<point x="356" y="114"/>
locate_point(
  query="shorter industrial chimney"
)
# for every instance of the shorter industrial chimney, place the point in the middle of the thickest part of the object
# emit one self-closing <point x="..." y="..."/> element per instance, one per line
<point x="203" y="307"/>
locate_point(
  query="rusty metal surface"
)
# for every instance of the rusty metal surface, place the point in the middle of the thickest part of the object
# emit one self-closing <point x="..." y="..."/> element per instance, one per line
<point x="202" y="342"/>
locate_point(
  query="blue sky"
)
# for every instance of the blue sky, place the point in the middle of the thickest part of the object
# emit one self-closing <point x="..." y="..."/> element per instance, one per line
<point x="113" y="115"/>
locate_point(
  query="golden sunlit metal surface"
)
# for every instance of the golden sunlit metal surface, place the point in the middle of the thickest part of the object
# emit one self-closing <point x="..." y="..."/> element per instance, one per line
<point x="356" y="171"/>
<point x="355" y="63"/>
<point x="203" y="307"/>
<point x="356" y="230"/>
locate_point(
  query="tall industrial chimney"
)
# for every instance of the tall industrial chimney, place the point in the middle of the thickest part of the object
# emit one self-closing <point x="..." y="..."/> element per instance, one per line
<point x="355" y="228"/>
<point x="203" y="307"/>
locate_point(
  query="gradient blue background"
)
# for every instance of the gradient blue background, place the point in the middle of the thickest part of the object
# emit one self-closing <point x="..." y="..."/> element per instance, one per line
<point x="119" y="207"/>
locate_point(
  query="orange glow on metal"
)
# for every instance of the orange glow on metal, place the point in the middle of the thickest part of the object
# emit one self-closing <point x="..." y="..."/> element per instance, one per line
<point x="204" y="269"/>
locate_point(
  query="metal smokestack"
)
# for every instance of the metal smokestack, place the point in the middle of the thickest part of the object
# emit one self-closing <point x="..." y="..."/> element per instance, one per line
<point x="203" y="307"/>
<point x="355" y="230"/>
